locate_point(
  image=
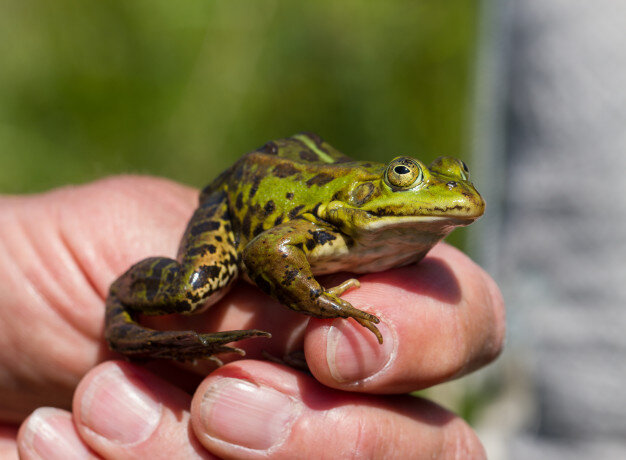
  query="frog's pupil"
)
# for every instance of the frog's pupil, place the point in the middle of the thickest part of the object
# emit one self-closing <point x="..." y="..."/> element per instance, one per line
<point x="400" y="169"/>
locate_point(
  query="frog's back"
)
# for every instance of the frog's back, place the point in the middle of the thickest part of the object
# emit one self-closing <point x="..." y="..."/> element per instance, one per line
<point x="305" y="148"/>
<point x="281" y="181"/>
<point x="293" y="152"/>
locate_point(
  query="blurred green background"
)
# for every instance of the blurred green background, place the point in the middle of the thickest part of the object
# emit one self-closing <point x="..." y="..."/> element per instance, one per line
<point x="180" y="89"/>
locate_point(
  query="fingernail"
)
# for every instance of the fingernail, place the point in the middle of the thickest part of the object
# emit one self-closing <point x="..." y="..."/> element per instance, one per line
<point x="354" y="354"/>
<point x="248" y="415"/>
<point x="50" y="435"/>
<point x="119" y="406"/>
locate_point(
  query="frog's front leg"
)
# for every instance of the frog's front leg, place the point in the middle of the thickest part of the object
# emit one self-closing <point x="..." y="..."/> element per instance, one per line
<point x="204" y="269"/>
<point x="276" y="261"/>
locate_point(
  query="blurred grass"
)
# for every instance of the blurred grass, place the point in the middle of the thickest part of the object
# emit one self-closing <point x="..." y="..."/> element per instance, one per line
<point x="180" y="89"/>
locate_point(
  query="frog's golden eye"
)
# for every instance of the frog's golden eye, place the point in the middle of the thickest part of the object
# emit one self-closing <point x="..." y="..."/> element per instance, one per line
<point x="404" y="172"/>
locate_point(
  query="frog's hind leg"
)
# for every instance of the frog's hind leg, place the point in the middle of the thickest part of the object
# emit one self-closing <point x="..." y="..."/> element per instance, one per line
<point x="205" y="268"/>
<point x="126" y="336"/>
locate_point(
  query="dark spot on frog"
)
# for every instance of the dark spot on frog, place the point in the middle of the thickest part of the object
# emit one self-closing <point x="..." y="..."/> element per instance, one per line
<point x="269" y="208"/>
<point x="278" y="220"/>
<point x="205" y="272"/>
<point x="245" y="225"/>
<point x="151" y="286"/>
<point x="209" y="199"/>
<point x="182" y="306"/>
<point x="284" y="170"/>
<point x="315" y="209"/>
<point x="270" y="148"/>
<point x="308" y="155"/>
<point x="208" y="211"/>
<point x="451" y="184"/>
<point x="255" y="186"/>
<point x="290" y="275"/>
<point x="294" y="212"/>
<point x="238" y="173"/>
<point x="239" y="201"/>
<point x="299" y="246"/>
<point x="202" y="227"/>
<point x="258" y="229"/>
<point x="263" y="284"/>
<point x="310" y="244"/>
<point x="218" y="238"/>
<point x="322" y="237"/>
<point x="157" y="268"/>
<point x="319" y="180"/>
<point x="193" y="297"/>
<point x="202" y="250"/>
<point x="236" y="223"/>
<point x="289" y="195"/>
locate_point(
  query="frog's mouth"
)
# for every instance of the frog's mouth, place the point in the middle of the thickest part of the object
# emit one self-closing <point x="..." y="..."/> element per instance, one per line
<point x="380" y="222"/>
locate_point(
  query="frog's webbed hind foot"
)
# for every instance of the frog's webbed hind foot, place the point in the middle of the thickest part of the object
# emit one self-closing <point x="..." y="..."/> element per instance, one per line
<point x="190" y="345"/>
<point x="180" y="345"/>
<point x="126" y="336"/>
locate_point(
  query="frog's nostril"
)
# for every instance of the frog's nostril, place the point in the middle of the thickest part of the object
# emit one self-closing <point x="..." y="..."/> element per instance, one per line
<point x="451" y="184"/>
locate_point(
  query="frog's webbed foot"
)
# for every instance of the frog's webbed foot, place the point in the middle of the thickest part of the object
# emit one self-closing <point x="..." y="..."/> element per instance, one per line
<point x="136" y="341"/>
<point x="331" y="305"/>
<point x="190" y="345"/>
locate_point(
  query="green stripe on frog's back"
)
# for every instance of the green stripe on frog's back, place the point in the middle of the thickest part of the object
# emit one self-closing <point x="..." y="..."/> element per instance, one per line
<point x="324" y="152"/>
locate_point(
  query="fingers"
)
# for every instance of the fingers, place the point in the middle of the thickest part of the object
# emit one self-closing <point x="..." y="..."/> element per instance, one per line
<point x="50" y="433"/>
<point x="254" y="409"/>
<point x="124" y="411"/>
<point x="248" y="409"/>
<point x="120" y="411"/>
<point x="8" y="442"/>
<point x="440" y="319"/>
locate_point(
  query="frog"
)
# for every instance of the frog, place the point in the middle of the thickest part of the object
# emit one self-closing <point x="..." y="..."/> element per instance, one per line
<point x="280" y="216"/>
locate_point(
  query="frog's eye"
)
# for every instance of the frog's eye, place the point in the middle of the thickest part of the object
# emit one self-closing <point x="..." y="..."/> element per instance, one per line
<point x="404" y="172"/>
<point x="465" y="169"/>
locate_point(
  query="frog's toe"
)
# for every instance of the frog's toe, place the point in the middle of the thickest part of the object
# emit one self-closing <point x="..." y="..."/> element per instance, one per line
<point x="346" y="310"/>
<point x="189" y="345"/>
<point x="370" y="325"/>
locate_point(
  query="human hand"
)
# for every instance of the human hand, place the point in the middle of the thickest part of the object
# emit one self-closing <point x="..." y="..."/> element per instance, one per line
<point x="441" y="319"/>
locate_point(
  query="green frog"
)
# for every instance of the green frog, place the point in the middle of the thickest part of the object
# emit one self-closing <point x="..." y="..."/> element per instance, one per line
<point x="281" y="215"/>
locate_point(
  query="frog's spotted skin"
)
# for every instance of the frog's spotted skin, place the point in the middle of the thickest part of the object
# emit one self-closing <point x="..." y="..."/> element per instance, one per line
<point x="280" y="215"/>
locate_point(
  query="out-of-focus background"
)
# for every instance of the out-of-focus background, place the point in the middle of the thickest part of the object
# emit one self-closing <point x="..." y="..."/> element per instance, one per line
<point x="91" y="88"/>
<point x="531" y="94"/>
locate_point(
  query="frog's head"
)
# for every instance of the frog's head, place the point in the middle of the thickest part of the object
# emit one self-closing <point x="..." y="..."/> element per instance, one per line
<point x="410" y="193"/>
